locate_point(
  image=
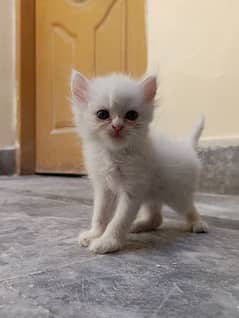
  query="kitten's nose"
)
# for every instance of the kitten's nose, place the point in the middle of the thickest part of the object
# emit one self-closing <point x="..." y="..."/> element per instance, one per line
<point x="117" y="128"/>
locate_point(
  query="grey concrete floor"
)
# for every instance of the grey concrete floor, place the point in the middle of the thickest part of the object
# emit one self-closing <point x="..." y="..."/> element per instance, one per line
<point x="166" y="273"/>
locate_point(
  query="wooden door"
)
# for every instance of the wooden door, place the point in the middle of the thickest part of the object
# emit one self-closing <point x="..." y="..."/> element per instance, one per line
<point x="94" y="37"/>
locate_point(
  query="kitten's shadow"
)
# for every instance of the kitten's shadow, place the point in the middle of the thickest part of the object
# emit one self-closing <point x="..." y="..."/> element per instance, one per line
<point x="170" y="234"/>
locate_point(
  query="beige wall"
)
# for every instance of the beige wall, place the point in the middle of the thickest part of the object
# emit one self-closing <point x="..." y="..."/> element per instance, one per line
<point x="194" y="47"/>
<point x="7" y="90"/>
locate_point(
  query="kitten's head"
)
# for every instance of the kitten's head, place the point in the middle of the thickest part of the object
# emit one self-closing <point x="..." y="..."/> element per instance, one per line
<point x="114" y="110"/>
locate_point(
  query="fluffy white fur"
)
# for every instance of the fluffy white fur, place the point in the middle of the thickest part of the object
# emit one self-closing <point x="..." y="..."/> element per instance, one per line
<point x="138" y="170"/>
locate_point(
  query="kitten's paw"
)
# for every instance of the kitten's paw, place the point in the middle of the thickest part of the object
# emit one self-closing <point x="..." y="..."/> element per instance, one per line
<point x="104" y="245"/>
<point x="199" y="227"/>
<point x="136" y="227"/>
<point x="144" y="226"/>
<point x="86" y="237"/>
<point x="140" y="226"/>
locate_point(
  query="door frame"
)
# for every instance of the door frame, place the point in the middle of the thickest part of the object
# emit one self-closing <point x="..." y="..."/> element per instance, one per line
<point x="25" y="87"/>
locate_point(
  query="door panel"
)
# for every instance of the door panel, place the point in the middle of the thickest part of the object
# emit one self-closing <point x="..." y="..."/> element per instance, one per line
<point x="95" y="37"/>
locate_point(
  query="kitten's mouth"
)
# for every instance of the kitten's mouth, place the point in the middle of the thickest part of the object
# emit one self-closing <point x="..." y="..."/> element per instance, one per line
<point x="116" y="134"/>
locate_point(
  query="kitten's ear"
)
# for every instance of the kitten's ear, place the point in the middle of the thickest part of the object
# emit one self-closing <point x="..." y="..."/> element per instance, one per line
<point x="79" y="86"/>
<point x="149" y="86"/>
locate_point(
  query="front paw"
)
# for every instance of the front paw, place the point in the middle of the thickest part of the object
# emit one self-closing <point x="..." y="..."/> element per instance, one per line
<point x="86" y="237"/>
<point x="105" y="245"/>
<point x="199" y="227"/>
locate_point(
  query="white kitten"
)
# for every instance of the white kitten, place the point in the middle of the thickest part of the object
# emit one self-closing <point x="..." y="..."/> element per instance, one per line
<point x="134" y="169"/>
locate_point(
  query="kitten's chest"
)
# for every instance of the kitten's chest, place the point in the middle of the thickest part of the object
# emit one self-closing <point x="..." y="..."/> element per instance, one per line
<point x="118" y="172"/>
<point x="127" y="175"/>
<point x="114" y="174"/>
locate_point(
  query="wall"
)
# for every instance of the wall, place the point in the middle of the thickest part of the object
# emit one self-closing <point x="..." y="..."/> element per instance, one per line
<point x="194" y="48"/>
<point x="7" y="74"/>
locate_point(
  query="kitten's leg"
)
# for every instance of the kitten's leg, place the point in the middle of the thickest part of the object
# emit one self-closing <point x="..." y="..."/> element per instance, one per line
<point x="149" y="218"/>
<point x="103" y="208"/>
<point x="114" y="236"/>
<point x="187" y="208"/>
<point x="195" y="222"/>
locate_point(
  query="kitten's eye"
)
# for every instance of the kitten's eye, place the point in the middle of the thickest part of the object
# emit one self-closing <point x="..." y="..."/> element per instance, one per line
<point x="103" y="114"/>
<point x="131" y="115"/>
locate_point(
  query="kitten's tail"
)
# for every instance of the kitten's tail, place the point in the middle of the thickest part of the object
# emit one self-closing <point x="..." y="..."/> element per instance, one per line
<point x="197" y="131"/>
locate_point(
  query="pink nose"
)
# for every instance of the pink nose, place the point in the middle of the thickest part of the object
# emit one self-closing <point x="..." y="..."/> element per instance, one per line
<point x="117" y="128"/>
